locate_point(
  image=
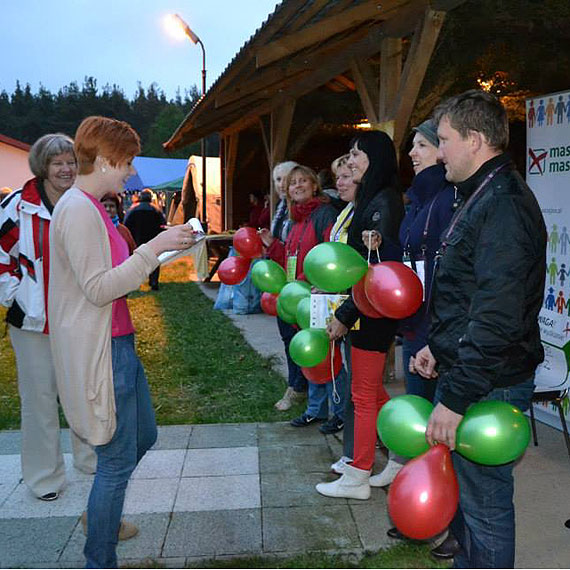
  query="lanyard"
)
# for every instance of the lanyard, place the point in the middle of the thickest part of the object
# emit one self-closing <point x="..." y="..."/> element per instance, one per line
<point x="300" y="241"/>
<point x="345" y="222"/>
<point x="472" y="199"/>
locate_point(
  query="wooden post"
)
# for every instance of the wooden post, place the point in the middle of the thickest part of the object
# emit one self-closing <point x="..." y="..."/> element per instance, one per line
<point x="367" y="87"/>
<point x="230" y="156"/>
<point x="281" y="120"/>
<point x="390" y="73"/>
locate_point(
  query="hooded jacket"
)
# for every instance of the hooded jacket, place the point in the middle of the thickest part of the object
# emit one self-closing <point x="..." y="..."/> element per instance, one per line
<point x="378" y="206"/>
<point x="488" y="288"/>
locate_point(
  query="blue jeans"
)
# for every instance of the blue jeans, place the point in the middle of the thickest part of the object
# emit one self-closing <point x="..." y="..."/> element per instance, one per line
<point x="415" y="384"/>
<point x="484" y="524"/>
<point x="320" y="394"/>
<point x="116" y="460"/>
<point x="295" y="379"/>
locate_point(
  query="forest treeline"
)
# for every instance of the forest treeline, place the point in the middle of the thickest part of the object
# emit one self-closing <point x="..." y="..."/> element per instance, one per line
<point x="25" y="115"/>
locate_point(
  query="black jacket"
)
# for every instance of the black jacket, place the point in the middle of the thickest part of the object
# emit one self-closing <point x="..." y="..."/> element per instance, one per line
<point x="488" y="288"/>
<point x="144" y="222"/>
<point x="379" y="206"/>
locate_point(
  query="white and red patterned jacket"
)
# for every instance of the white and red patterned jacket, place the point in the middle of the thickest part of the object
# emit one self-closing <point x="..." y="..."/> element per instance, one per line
<point x="24" y="257"/>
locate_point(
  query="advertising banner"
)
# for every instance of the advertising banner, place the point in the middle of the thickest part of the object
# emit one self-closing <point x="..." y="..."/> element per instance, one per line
<point x="548" y="174"/>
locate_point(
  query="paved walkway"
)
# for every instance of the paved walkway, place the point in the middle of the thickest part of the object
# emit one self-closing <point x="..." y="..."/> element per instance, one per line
<point x="248" y="489"/>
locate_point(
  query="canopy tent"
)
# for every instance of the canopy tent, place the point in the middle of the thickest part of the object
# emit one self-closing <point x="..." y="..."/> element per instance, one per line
<point x="154" y="171"/>
<point x="172" y="186"/>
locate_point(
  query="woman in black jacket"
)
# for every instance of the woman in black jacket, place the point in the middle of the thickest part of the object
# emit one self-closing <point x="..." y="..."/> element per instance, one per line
<point x="377" y="216"/>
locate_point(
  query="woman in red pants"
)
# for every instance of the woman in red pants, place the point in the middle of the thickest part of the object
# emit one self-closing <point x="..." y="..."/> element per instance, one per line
<point x="377" y="216"/>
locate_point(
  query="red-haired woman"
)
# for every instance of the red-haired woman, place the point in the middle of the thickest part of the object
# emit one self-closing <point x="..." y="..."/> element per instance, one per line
<point x="102" y="385"/>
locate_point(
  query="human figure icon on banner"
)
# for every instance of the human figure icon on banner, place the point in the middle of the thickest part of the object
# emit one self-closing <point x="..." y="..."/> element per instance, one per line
<point x="549" y="300"/>
<point x="560" y="108"/>
<point x="560" y="303"/>
<point x="552" y="272"/>
<point x="568" y="109"/>
<point x="553" y="238"/>
<point x="567" y="329"/>
<point x="564" y="241"/>
<point x="531" y="114"/>
<point x="540" y="113"/>
<point x="562" y="274"/>
<point x="550" y="112"/>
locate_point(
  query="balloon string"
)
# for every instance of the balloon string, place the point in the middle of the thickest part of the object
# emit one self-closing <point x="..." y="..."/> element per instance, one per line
<point x="369" y="246"/>
<point x="335" y="394"/>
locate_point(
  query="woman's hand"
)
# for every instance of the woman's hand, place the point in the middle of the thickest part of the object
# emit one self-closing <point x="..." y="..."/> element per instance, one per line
<point x="175" y="237"/>
<point x="371" y="239"/>
<point x="336" y="330"/>
<point x="266" y="237"/>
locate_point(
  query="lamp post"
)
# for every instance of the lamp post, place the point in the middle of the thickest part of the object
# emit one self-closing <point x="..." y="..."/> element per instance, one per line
<point x="179" y="28"/>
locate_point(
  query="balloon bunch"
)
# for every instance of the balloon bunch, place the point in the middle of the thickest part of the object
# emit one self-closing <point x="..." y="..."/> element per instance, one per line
<point x="247" y="243"/>
<point x="423" y="497"/>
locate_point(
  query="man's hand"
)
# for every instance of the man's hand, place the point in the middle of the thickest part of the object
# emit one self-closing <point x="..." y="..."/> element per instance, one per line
<point x="371" y="239"/>
<point x="266" y="237"/>
<point x="424" y="363"/>
<point x="442" y="426"/>
<point x="335" y="329"/>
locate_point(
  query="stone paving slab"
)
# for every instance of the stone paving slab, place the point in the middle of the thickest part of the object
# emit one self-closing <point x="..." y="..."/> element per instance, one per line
<point x="372" y="522"/>
<point x="298" y="458"/>
<point x="151" y="495"/>
<point x="223" y="435"/>
<point x="25" y="541"/>
<point x="10" y="442"/>
<point x="173" y="437"/>
<point x="231" y="492"/>
<point x="221" y="461"/>
<point x="214" y="533"/>
<point x="160" y="464"/>
<point x="147" y="544"/>
<point x="300" y="529"/>
<point x="283" y="434"/>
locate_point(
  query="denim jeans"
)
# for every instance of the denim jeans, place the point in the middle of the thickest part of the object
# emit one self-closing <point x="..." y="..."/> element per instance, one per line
<point x="321" y="400"/>
<point x="484" y="523"/>
<point x="295" y="379"/>
<point x="415" y="384"/>
<point x="116" y="460"/>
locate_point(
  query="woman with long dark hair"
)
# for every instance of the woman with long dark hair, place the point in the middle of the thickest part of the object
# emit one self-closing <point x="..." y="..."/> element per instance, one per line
<point x="377" y="216"/>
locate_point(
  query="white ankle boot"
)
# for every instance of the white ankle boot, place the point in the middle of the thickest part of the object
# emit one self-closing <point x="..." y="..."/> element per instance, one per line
<point x="388" y="474"/>
<point x="352" y="485"/>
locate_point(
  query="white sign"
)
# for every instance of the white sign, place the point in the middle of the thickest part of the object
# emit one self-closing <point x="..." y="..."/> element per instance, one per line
<point x="548" y="174"/>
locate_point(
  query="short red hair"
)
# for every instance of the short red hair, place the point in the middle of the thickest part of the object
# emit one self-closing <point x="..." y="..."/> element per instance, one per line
<point x="114" y="140"/>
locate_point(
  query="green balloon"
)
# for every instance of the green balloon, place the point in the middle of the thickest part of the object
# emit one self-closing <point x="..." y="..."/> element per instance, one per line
<point x="283" y="314"/>
<point x="492" y="433"/>
<point x="309" y="347"/>
<point x="334" y="266"/>
<point x="304" y="313"/>
<point x="292" y="293"/>
<point x="268" y="276"/>
<point x="402" y="424"/>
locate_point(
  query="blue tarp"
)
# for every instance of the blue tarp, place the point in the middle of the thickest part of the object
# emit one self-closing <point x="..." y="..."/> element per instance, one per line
<point x="154" y="171"/>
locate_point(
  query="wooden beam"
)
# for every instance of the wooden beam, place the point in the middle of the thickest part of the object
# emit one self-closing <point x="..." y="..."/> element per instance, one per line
<point x="367" y="88"/>
<point x="264" y="139"/>
<point x="230" y="155"/>
<point x="318" y="32"/>
<point x="417" y="61"/>
<point x="304" y="137"/>
<point x="309" y="13"/>
<point x="344" y="80"/>
<point x="390" y="73"/>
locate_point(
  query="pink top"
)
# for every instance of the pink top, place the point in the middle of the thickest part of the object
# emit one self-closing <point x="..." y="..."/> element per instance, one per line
<point x="121" y="323"/>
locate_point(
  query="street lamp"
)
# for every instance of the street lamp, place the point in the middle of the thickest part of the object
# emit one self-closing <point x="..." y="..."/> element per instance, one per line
<point x="178" y="28"/>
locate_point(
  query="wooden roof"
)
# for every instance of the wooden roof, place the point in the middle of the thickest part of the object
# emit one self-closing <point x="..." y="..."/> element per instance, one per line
<point x="306" y="44"/>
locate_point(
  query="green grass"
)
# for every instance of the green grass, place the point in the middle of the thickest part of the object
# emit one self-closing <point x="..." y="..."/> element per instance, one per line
<point x="199" y="367"/>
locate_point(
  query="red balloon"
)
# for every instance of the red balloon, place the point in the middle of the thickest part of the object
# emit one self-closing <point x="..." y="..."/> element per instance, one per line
<point x="393" y="289"/>
<point x="362" y="303"/>
<point x="269" y="303"/>
<point x="423" y="497"/>
<point x="248" y="243"/>
<point x="321" y="373"/>
<point x="233" y="270"/>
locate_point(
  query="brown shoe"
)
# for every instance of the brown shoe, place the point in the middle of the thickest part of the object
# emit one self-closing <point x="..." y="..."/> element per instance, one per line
<point x="126" y="530"/>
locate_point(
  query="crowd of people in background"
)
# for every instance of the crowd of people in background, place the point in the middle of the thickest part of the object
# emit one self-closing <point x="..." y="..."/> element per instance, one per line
<point x="68" y="249"/>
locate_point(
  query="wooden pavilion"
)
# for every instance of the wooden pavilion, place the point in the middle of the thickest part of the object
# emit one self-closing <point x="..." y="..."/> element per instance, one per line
<point x="306" y="79"/>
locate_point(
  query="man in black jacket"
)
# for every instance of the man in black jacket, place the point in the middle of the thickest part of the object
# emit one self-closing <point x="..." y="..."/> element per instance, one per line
<point x="484" y="341"/>
<point x="145" y="222"/>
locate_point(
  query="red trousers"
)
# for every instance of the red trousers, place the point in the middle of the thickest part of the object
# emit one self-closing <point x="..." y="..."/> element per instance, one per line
<point x="368" y="395"/>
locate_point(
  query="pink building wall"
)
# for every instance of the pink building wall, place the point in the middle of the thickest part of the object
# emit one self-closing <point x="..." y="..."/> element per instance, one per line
<point x="14" y="169"/>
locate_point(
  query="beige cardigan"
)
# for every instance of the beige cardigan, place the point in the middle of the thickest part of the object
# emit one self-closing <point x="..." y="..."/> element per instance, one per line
<point x="83" y="285"/>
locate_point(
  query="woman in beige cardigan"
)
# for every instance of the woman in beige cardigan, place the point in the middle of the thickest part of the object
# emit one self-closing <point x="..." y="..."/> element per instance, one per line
<point x="101" y="382"/>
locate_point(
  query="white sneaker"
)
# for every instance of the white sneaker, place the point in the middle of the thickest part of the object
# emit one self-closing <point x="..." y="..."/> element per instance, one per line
<point x="389" y="473"/>
<point x="289" y="398"/>
<point x="339" y="467"/>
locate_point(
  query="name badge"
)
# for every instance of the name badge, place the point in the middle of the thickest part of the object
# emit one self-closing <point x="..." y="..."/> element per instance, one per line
<point x="291" y="268"/>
